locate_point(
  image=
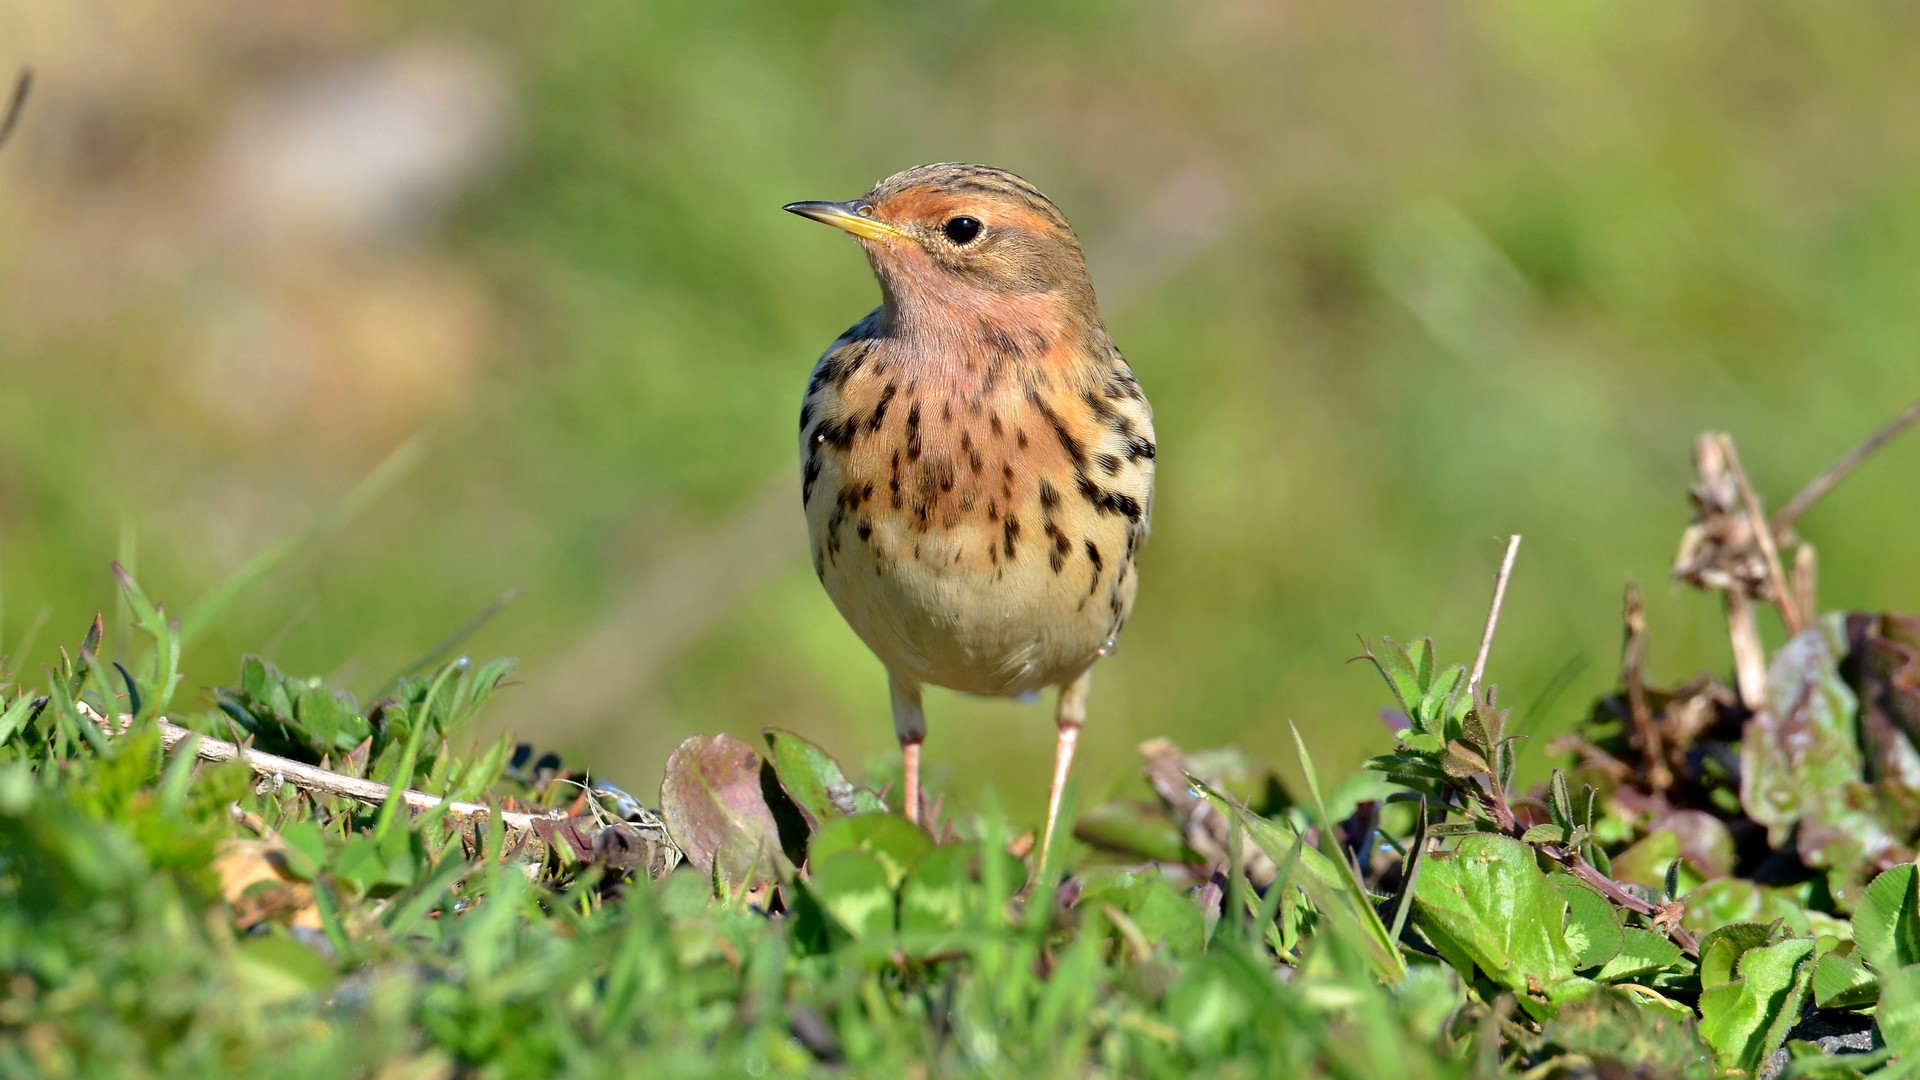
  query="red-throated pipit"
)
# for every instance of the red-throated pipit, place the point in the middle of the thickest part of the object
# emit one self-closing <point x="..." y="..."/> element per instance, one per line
<point x="977" y="458"/>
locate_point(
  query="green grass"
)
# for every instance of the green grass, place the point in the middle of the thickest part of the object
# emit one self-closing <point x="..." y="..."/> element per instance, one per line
<point x="162" y="918"/>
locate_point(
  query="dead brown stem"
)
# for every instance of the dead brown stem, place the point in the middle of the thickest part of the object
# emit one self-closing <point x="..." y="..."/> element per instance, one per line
<point x="1633" y="655"/>
<point x="1818" y="487"/>
<point x="1493" y="614"/>
<point x="1763" y="535"/>
<point x="1749" y="655"/>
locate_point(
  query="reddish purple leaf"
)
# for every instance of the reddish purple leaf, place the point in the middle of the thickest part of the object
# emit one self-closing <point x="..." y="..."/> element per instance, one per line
<point x="715" y="811"/>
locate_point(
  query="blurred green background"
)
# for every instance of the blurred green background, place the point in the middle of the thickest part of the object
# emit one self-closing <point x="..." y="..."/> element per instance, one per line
<point x="1400" y="279"/>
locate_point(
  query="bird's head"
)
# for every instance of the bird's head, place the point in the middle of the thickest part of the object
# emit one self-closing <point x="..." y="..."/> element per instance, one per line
<point x="951" y="235"/>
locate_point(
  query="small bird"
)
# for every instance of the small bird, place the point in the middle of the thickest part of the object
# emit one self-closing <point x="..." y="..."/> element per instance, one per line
<point x="976" y="456"/>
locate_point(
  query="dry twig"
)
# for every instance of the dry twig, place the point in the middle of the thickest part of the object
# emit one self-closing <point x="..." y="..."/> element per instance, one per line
<point x="1783" y="596"/>
<point x="1818" y="487"/>
<point x="1633" y="658"/>
<point x="1493" y="614"/>
<point x="310" y="777"/>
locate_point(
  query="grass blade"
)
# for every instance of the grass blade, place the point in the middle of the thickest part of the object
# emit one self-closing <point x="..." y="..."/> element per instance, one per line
<point x="451" y="641"/>
<point x="224" y="595"/>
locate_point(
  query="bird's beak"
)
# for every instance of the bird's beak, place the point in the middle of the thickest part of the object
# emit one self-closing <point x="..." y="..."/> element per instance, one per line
<point x="846" y="216"/>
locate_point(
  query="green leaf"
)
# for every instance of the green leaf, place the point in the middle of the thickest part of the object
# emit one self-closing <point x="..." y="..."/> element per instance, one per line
<point x="1721" y="950"/>
<point x="1642" y="952"/>
<point x="1560" y="803"/>
<point x="1842" y="982"/>
<point x="944" y="890"/>
<point x="274" y="968"/>
<point x="1593" y="926"/>
<point x="1462" y="761"/>
<point x="1420" y="742"/>
<point x="1135" y="827"/>
<point x="1898" y="1015"/>
<point x="1747" y="1019"/>
<point x="1544" y="834"/>
<point x="853" y="886"/>
<point x="1887" y="924"/>
<point x="361" y="861"/>
<point x="1801" y="767"/>
<point x="1163" y="915"/>
<point x="1407" y="669"/>
<point x="1652" y="1036"/>
<point x="1487" y="902"/>
<point x="306" y="849"/>
<point x="896" y="842"/>
<point x="1462" y="828"/>
<point x="815" y="782"/>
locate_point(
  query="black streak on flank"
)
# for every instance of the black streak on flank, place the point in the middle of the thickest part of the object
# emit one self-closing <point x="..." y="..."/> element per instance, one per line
<point x="835" y="433"/>
<point x="806" y="414"/>
<point x="999" y="430"/>
<point x="1108" y="464"/>
<point x="1093" y="556"/>
<point x="1139" y="446"/>
<point x="913" y="432"/>
<point x="866" y="530"/>
<point x="1110" y="502"/>
<point x="842" y="362"/>
<point x="1057" y="558"/>
<point x="1102" y="410"/>
<point x="1020" y="439"/>
<point x="1010" y="534"/>
<point x="880" y="407"/>
<point x="1049" y="498"/>
<point x="1059" y="425"/>
<point x="833" y="533"/>
<point x="807" y="477"/>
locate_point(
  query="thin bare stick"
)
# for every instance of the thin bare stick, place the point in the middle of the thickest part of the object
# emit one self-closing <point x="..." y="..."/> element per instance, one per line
<point x="1493" y="614"/>
<point x="1749" y="655"/>
<point x="1633" y="659"/>
<point x="309" y="777"/>
<point x="1806" y="586"/>
<point x="1763" y="534"/>
<point x="1818" y="487"/>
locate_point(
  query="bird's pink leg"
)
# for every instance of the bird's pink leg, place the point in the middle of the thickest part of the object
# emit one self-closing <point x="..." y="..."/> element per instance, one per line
<point x="1069" y="716"/>
<point x="910" y="724"/>
<point x="910" y="768"/>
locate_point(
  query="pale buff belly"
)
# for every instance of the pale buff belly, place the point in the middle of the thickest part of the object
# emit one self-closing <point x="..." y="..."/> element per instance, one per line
<point x="935" y="610"/>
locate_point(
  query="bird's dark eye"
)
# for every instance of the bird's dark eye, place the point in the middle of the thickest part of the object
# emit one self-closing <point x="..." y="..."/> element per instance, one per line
<point x="961" y="230"/>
